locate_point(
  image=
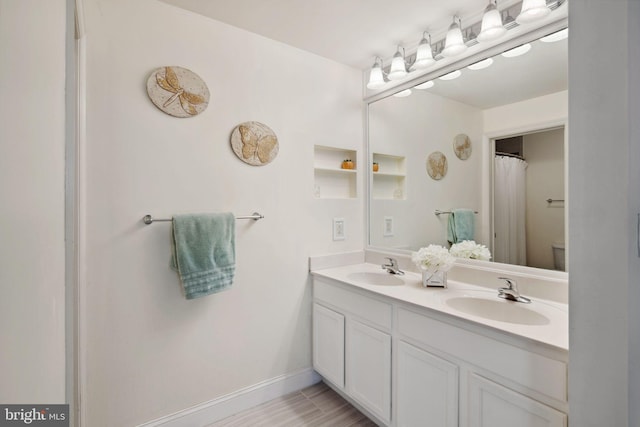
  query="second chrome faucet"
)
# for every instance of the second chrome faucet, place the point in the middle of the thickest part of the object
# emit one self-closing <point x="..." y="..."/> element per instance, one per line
<point x="510" y="292"/>
<point x="392" y="266"/>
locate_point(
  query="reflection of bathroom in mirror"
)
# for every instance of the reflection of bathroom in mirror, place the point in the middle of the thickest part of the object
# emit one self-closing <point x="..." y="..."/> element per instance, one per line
<point x="515" y="95"/>
<point x="528" y="199"/>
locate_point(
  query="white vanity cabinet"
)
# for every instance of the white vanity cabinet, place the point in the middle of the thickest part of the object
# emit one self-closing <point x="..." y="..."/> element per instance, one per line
<point x="412" y="366"/>
<point x="368" y="368"/>
<point x="328" y="344"/>
<point x="427" y="389"/>
<point x="492" y="382"/>
<point x="359" y="364"/>
<point x="492" y="405"/>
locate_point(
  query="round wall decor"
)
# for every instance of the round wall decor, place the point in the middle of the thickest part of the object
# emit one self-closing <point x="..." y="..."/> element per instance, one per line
<point x="437" y="165"/>
<point x="177" y="91"/>
<point x="462" y="146"/>
<point x="254" y="143"/>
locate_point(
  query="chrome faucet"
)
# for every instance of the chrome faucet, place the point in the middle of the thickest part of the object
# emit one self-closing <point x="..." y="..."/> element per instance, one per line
<point x="511" y="291"/>
<point x="392" y="267"/>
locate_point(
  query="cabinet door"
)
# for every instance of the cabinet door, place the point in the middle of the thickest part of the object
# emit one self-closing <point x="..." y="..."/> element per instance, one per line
<point x="492" y="405"/>
<point x="427" y="389"/>
<point x="328" y="344"/>
<point x="368" y="359"/>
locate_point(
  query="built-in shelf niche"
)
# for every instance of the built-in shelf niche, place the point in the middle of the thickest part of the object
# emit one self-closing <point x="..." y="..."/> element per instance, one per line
<point x="331" y="181"/>
<point x="389" y="181"/>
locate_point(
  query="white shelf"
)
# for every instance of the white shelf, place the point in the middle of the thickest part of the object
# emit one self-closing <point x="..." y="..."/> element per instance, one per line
<point x="330" y="180"/>
<point x="389" y="181"/>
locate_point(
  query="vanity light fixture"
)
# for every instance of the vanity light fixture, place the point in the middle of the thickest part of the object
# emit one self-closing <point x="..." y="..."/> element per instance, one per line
<point x="480" y="65"/>
<point x="424" y="54"/>
<point x="425" y="85"/>
<point x="492" y="27"/>
<point x="532" y="11"/>
<point x="403" y="93"/>
<point x="398" y="66"/>
<point x="376" y="76"/>
<point x="556" y="37"/>
<point x="454" y="42"/>
<point x="452" y="75"/>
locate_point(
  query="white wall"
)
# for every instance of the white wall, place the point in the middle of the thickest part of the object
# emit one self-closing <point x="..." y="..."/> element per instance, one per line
<point x="633" y="33"/>
<point x="512" y="118"/>
<point x="603" y="186"/>
<point x="150" y="352"/>
<point x="414" y="127"/>
<point x="544" y="152"/>
<point x="32" y="147"/>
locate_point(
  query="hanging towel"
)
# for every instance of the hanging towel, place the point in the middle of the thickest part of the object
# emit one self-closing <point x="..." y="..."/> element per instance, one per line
<point x="461" y="226"/>
<point x="203" y="252"/>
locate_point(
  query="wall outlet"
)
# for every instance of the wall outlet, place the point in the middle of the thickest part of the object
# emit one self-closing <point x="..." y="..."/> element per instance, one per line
<point x="388" y="226"/>
<point x="339" y="229"/>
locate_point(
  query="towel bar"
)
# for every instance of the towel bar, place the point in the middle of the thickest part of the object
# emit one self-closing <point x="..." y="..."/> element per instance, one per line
<point x="148" y="219"/>
<point x="439" y="212"/>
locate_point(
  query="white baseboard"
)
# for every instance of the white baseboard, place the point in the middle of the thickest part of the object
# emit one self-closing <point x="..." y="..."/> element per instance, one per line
<point x="225" y="406"/>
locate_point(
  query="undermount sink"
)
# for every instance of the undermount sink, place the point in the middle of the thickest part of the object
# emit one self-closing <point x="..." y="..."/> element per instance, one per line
<point x="379" y="279"/>
<point x="498" y="309"/>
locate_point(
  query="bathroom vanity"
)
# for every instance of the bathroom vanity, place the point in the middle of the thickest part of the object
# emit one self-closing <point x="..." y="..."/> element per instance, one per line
<point x="461" y="356"/>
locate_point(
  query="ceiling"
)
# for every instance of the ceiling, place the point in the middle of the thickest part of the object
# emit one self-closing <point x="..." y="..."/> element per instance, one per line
<point x="353" y="32"/>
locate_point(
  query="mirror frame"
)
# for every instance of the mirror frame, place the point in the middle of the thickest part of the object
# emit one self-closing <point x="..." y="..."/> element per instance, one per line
<point x="509" y="43"/>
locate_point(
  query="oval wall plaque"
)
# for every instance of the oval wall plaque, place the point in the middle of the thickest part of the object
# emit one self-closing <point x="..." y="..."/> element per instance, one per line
<point x="254" y="143"/>
<point x="462" y="146"/>
<point x="177" y="91"/>
<point x="437" y="165"/>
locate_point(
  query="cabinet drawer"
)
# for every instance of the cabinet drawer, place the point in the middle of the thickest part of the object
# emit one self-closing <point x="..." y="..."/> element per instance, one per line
<point x="532" y="370"/>
<point x="372" y="310"/>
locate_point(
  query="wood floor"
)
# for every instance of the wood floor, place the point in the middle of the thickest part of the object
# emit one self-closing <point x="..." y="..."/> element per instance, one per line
<point x="315" y="406"/>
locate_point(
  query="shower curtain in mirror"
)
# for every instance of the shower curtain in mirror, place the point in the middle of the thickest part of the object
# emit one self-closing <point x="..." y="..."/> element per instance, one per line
<point x="510" y="244"/>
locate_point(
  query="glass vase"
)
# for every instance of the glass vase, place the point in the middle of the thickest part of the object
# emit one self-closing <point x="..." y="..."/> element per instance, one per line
<point x="436" y="278"/>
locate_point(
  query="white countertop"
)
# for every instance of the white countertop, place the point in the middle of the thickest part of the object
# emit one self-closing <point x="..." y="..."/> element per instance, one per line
<point x="554" y="330"/>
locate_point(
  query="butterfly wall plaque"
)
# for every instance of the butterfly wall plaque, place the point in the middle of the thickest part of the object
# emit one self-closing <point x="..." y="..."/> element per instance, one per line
<point x="437" y="165"/>
<point x="462" y="146"/>
<point x="177" y="91"/>
<point x="254" y="143"/>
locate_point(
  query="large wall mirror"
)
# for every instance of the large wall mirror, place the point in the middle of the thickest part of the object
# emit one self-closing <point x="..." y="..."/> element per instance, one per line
<point x="491" y="140"/>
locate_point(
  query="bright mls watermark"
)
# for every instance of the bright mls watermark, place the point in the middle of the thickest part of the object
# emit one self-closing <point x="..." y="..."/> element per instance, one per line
<point x="34" y="415"/>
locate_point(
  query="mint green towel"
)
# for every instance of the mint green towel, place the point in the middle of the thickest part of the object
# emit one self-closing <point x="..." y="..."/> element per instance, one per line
<point x="203" y="252"/>
<point x="461" y="226"/>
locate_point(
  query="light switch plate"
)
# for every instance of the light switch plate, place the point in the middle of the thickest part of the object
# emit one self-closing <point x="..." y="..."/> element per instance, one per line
<point x="339" y="229"/>
<point x="388" y="226"/>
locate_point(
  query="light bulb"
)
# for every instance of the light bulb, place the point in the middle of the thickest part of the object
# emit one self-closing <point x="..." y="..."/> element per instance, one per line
<point x="491" y="28"/>
<point x="452" y="75"/>
<point x="398" y="66"/>
<point x="556" y="37"/>
<point x="403" y="93"/>
<point x="424" y="54"/>
<point x="532" y="10"/>
<point x="425" y="85"/>
<point x="517" y="51"/>
<point x="454" y="42"/>
<point x="481" y="64"/>
<point x="376" y="78"/>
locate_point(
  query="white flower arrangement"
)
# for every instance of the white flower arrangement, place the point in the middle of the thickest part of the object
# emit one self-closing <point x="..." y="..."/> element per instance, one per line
<point x="470" y="249"/>
<point x="433" y="258"/>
